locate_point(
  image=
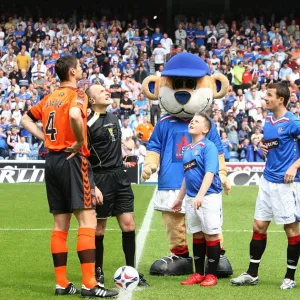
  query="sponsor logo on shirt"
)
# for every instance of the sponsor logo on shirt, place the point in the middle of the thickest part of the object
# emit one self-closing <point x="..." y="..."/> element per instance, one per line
<point x="273" y="143"/>
<point x="190" y="165"/>
<point x="181" y="146"/>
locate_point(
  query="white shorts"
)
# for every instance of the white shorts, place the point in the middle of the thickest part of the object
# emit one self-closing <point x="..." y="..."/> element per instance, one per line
<point x="208" y="218"/>
<point x="297" y="187"/>
<point x="277" y="201"/>
<point x="164" y="200"/>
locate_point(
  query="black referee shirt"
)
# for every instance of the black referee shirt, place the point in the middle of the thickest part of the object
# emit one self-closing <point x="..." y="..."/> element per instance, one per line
<point x="104" y="136"/>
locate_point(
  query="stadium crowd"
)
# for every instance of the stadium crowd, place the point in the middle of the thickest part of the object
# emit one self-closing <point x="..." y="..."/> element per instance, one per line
<point x="119" y="54"/>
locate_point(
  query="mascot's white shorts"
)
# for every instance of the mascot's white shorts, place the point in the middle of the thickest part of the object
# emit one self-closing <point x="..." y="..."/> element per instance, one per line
<point x="164" y="200"/>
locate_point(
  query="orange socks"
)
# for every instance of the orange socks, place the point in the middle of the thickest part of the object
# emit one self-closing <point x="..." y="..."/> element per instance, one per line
<point x="59" y="251"/>
<point x="86" y="253"/>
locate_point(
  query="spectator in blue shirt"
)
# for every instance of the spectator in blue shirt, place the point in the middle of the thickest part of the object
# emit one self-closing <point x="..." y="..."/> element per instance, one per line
<point x="147" y="38"/>
<point x="3" y="124"/>
<point x="156" y="37"/>
<point x="121" y="64"/>
<point x="199" y="36"/>
<point x="190" y="34"/>
<point x="87" y="47"/>
<point x="254" y="153"/>
<point x="19" y="33"/>
<point x="65" y="52"/>
<point x="3" y="144"/>
<point x="142" y="104"/>
<point x="227" y="146"/>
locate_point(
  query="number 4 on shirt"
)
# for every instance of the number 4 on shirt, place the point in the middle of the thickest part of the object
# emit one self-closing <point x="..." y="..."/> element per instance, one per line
<point x="50" y="129"/>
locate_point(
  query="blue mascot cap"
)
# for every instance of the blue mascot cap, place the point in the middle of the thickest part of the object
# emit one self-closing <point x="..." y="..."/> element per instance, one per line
<point x="186" y="65"/>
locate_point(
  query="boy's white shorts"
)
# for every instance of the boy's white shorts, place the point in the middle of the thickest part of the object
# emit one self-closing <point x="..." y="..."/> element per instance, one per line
<point x="208" y="218"/>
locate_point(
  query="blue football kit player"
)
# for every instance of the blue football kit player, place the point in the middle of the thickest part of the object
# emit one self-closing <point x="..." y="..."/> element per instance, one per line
<point x="279" y="186"/>
<point x="201" y="189"/>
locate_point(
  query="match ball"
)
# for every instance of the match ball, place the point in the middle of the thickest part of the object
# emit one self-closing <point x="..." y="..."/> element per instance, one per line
<point x="126" y="278"/>
<point x="154" y="17"/>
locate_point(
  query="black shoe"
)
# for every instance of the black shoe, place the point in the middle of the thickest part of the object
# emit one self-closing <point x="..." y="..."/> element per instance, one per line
<point x="99" y="276"/>
<point x="172" y="265"/>
<point x="69" y="290"/>
<point x="97" y="292"/>
<point x="142" y="281"/>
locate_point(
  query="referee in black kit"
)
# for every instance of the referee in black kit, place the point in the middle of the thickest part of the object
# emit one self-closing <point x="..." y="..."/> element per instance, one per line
<point x="104" y="135"/>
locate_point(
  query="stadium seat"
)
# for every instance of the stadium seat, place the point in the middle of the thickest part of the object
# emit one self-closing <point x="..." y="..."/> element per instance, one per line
<point x="233" y="160"/>
<point x="234" y="154"/>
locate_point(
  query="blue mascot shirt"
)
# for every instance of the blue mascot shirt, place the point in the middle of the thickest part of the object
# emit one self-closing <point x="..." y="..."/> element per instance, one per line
<point x="169" y="139"/>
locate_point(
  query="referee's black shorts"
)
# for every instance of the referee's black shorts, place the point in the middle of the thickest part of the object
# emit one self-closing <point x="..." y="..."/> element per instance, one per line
<point x="69" y="183"/>
<point x="117" y="193"/>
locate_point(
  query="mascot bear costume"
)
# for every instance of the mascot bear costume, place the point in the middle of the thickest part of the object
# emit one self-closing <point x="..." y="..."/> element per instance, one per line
<point x="184" y="88"/>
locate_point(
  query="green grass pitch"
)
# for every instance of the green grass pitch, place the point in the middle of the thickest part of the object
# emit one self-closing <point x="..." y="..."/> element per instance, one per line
<point x="26" y="270"/>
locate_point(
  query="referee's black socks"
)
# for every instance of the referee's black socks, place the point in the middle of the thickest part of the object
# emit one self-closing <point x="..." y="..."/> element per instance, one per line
<point x="99" y="251"/>
<point x="128" y="242"/>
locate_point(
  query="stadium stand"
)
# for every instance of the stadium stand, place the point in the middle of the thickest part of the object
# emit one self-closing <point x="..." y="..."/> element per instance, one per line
<point x="120" y="53"/>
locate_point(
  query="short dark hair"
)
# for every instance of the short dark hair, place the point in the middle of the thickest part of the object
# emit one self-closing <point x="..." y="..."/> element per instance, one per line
<point x="282" y="90"/>
<point x="63" y="65"/>
<point x="207" y="121"/>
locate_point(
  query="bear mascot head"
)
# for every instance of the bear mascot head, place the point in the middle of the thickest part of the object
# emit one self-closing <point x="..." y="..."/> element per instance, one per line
<point x="186" y="87"/>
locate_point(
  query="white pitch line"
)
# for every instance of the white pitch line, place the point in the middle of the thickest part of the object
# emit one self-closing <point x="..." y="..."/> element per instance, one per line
<point x="140" y="231"/>
<point x="246" y="231"/>
<point x="46" y="229"/>
<point x="140" y="243"/>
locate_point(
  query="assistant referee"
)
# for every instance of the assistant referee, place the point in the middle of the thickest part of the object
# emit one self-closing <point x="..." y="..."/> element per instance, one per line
<point x="107" y="160"/>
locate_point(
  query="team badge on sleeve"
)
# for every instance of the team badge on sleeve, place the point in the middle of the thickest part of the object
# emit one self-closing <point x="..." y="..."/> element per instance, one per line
<point x="80" y="98"/>
<point x="80" y="95"/>
<point x="79" y="102"/>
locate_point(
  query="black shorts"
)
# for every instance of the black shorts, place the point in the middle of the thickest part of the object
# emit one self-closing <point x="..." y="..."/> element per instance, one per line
<point x="69" y="183"/>
<point x="117" y="193"/>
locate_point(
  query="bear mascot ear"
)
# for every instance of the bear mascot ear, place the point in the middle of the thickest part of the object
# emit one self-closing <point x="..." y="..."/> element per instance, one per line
<point x="220" y="85"/>
<point x="151" y="86"/>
